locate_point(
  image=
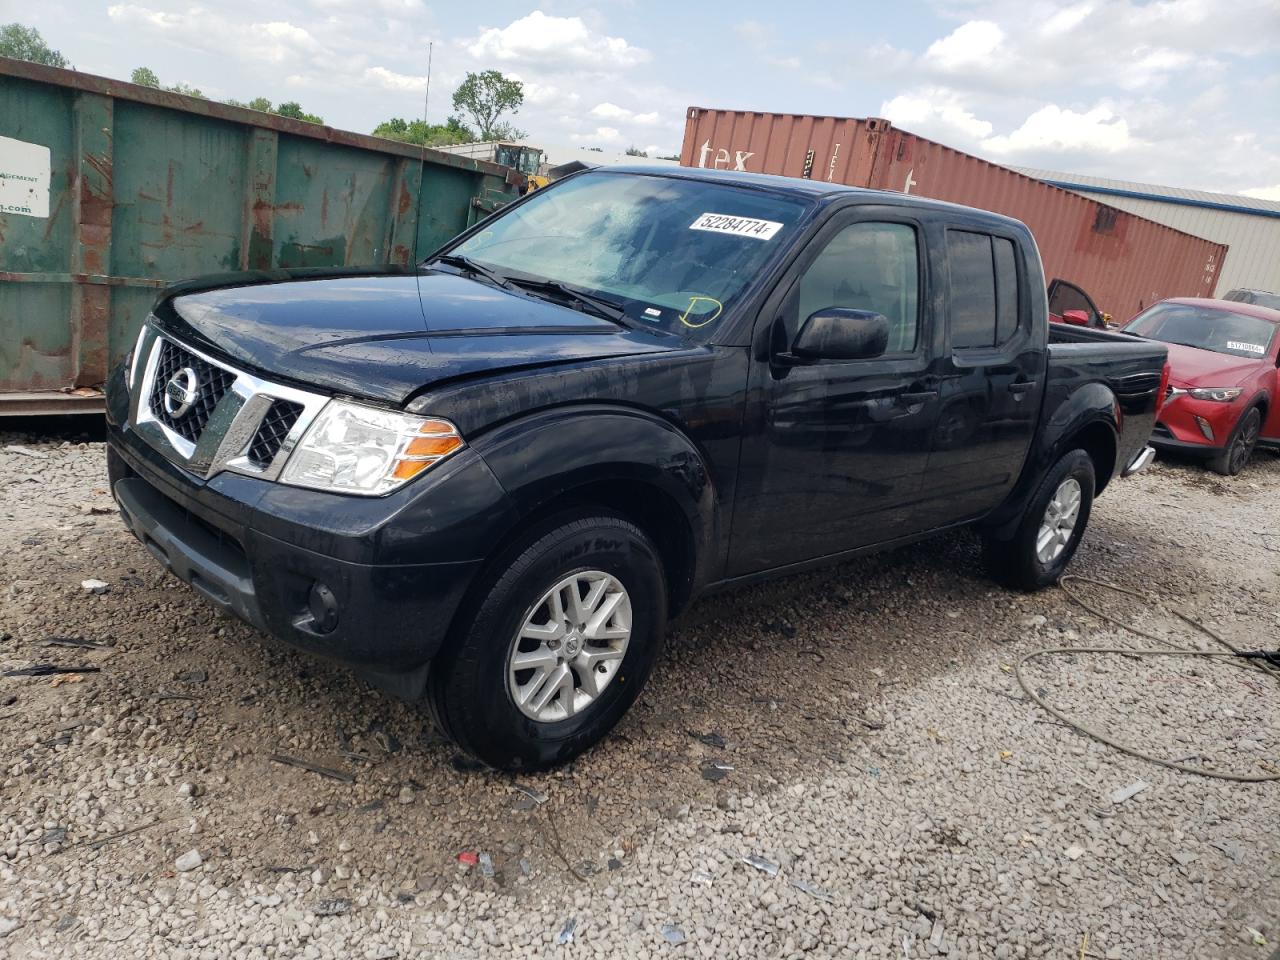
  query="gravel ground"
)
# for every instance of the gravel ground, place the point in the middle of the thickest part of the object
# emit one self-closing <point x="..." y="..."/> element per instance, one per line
<point x="905" y="796"/>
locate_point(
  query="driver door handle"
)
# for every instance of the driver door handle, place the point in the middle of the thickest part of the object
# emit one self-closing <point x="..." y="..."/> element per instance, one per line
<point x="917" y="396"/>
<point x="1022" y="386"/>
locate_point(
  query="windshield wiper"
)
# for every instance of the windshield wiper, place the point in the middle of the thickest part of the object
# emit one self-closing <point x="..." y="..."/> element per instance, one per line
<point x="471" y="266"/>
<point x="600" y="306"/>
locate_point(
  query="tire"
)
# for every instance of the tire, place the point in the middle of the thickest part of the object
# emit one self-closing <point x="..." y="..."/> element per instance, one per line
<point x="1017" y="561"/>
<point x="1239" y="449"/>
<point x="472" y="689"/>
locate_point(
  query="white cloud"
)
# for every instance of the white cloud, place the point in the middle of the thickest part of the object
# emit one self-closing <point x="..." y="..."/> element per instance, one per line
<point x="752" y="32"/>
<point x="610" y="111"/>
<point x="936" y="112"/>
<point x="390" y="80"/>
<point x="1148" y="68"/>
<point x="1053" y="128"/>
<point x="274" y="41"/>
<point x="1263" y="193"/>
<point x="969" y="45"/>
<point x="554" y="43"/>
<point x="545" y="94"/>
<point x="363" y="6"/>
<point x="599" y="135"/>
<point x="1066" y="19"/>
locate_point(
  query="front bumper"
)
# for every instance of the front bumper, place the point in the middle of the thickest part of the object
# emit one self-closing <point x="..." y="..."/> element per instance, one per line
<point x="256" y="549"/>
<point x="1183" y="422"/>
<point x="1170" y="444"/>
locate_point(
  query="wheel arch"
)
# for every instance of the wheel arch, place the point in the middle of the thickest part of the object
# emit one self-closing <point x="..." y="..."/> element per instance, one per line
<point x="1087" y="419"/>
<point x="626" y="462"/>
<point x="1099" y="440"/>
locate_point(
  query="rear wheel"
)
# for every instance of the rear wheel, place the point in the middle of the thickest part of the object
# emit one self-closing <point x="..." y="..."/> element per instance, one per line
<point x="1239" y="449"/>
<point x="1046" y="539"/>
<point x="559" y="647"/>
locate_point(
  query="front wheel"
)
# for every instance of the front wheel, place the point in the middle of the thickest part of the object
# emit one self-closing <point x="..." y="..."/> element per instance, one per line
<point x="1037" y="553"/>
<point x="559" y="647"/>
<point x="1240" y="447"/>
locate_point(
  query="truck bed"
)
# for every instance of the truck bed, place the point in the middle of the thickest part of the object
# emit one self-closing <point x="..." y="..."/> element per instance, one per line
<point x="1130" y="366"/>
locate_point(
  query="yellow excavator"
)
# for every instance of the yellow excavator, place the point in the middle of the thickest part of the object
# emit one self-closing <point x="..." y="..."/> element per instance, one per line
<point x="524" y="160"/>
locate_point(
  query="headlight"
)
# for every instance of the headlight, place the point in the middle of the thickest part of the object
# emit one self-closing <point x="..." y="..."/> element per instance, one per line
<point x="1221" y="394"/>
<point x="351" y="448"/>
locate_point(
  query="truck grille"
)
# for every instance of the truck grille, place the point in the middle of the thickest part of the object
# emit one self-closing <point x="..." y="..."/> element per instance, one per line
<point x="211" y="384"/>
<point x="274" y="428"/>
<point x="217" y="417"/>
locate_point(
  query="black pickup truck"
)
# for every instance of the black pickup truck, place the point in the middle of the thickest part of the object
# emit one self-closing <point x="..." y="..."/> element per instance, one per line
<point x="490" y="481"/>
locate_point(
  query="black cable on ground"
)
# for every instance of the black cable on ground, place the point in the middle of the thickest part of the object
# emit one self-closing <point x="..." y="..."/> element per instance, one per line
<point x="1169" y="650"/>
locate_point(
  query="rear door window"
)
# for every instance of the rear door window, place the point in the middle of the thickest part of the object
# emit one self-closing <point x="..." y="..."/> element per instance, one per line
<point x="1006" y="289"/>
<point x="984" y="290"/>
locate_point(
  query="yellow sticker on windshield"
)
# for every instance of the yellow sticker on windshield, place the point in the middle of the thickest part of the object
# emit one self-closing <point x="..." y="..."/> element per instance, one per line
<point x="693" y="302"/>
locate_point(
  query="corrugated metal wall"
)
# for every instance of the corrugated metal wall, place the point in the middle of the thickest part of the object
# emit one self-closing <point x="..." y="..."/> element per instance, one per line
<point x="1252" y="231"/>
<point x="1124" y="261"/>
<point x="146" y="187"/>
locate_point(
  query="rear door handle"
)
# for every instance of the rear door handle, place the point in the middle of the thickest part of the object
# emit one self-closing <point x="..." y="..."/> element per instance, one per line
<point x="1021" y="387"/>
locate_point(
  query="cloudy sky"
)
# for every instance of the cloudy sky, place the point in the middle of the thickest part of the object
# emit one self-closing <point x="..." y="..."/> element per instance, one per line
<point x="1179" y="92"/>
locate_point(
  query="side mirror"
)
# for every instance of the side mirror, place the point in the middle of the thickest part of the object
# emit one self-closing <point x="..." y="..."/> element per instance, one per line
<point x="1077" y="318"/>
<point x="839" y="333"/>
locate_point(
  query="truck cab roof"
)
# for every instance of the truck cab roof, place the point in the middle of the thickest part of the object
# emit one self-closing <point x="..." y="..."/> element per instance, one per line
<point x="805" y="190"/>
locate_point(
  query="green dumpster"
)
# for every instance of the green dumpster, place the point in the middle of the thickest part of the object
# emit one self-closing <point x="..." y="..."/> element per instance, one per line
<point x="109" y="191"/>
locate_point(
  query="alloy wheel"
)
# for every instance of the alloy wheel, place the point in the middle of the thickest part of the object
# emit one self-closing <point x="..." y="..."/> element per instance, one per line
<point x="1242" y="449"/>
<point x="569" y="646"/>
<point x="1059" y="522"/>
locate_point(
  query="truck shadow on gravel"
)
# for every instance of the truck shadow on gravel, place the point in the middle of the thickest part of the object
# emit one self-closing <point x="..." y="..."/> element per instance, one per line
<point x="781" y="682"/>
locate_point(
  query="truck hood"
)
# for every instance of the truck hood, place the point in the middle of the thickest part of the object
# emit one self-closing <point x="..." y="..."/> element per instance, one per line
<point x="1193" y="367"/>
<point x="387" y="336"/>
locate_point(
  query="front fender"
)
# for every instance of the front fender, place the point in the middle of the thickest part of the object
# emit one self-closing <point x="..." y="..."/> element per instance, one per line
<point x="543" y="457"/>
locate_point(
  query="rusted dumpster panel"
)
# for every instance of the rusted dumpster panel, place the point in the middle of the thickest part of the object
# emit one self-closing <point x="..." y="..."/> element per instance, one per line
<point x="1125" y="262"/>
<point x="142" y="187"/>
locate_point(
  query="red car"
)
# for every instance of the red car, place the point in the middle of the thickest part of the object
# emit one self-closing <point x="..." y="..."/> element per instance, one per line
<point x="1222" y="379"/>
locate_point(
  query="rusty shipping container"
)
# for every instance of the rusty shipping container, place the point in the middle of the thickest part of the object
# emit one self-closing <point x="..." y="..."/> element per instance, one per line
<point x="108" y="191"/>
<point x="1125" y="262"/>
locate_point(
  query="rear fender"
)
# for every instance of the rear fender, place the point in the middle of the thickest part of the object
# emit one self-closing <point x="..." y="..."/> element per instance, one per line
<point x="1089" y="410"/>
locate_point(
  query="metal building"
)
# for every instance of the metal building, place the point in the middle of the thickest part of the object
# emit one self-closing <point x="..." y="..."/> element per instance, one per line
<point x="1250" y="228"/>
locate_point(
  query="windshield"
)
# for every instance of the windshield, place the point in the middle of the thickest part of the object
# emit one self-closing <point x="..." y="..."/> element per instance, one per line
<point x="1206" y="328"/>
<point x="673" y="254"/>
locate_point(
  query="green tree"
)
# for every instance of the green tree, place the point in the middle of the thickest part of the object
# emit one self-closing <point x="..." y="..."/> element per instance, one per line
<point x="186" y="90"/>
<point x="261" y="104"/>
<point x="634" y="151"/>
<point x="144" y="77"/>
<point x="294" y="110"/>
<point x="25" y="43"/>
<point x="425" y="134"/>
<point x="485" y="97"/>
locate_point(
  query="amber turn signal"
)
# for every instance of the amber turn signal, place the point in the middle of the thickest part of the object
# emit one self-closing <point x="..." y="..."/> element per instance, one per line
<point x="432" y="446"/>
